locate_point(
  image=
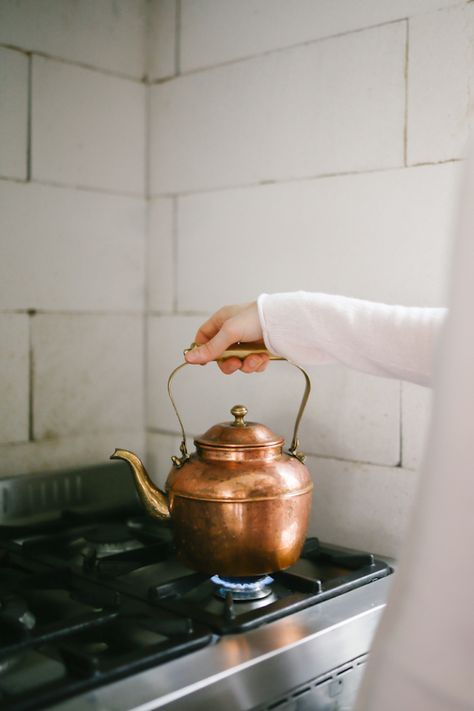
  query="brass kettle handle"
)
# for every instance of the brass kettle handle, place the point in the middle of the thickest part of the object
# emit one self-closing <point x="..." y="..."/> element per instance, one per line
<point x="242" y="350"/>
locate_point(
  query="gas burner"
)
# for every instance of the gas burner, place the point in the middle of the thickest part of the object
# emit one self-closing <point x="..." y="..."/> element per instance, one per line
<point x="254" y="587"/>
<point x="110" y="539"/>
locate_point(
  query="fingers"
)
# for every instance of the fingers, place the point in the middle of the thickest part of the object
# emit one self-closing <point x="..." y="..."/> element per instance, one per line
<point x="229" y="366"/>
<point x="231" y="324"/>
<point x="213" y="325"/>
<point x="263" y="367"/>
<point x="213" y="348"/>
<point x="254" y="363"/>
<point x="251" y="364"/>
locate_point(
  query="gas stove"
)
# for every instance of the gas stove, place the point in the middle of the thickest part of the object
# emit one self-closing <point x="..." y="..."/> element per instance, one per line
<point x="97" y="612"/>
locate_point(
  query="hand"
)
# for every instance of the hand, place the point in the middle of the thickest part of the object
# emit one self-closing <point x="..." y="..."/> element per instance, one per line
<point x="231" y="324"/>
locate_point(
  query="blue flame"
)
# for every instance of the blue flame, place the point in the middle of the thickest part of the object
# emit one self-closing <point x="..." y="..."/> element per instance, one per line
<point x="242" y="584"/>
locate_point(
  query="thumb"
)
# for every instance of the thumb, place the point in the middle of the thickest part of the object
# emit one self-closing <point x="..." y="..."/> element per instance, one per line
<point x="210" y="350"/>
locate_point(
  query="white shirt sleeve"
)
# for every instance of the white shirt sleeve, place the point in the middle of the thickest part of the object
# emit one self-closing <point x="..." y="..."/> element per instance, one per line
<point x="312" y="329"/>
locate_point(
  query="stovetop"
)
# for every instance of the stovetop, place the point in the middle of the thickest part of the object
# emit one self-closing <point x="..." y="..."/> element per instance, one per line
<point x="91" y="596"/>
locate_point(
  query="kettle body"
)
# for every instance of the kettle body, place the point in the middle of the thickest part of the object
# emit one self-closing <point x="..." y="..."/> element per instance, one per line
<point x="239" y="505"/>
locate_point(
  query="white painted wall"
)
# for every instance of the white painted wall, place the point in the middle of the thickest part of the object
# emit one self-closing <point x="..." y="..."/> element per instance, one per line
<point x="312" y="144"/>
<point x="288" y="144"/>
<point x="72" y="225"/>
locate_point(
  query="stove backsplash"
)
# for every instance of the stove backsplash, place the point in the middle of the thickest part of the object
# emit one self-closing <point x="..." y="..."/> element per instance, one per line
<point x="246" y="150"/>
<point x="37" y="499"/>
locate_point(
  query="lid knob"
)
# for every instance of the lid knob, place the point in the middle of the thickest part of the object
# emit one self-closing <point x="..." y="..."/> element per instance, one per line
<point x="239" y="412"/>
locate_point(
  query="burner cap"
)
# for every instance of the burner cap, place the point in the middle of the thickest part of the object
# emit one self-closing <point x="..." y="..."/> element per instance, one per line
<point x="109" y="539"/>
<point x="108" y="533"/>
<point x="243" y="589"/>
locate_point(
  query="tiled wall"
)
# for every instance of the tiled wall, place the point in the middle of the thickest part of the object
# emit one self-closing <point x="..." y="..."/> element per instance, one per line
<point x="72" y="226"/>
<point x="311" y="144"/>
<point x="305" y="145"/>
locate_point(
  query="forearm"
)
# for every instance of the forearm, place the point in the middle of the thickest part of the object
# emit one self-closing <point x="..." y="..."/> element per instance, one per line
<point x="392" y="341"/>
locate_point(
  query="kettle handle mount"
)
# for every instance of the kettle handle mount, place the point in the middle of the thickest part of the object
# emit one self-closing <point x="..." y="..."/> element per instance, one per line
<point x="242" y="350"/>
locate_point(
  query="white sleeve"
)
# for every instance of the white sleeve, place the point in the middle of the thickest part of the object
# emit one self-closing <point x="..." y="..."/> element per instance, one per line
<point x="312" y="329"/>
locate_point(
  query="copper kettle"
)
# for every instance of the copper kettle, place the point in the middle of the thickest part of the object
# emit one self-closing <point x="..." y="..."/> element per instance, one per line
<point x="239" y="505"/>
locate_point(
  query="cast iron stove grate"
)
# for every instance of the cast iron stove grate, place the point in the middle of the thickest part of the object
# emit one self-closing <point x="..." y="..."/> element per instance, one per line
<point x="62" y="634"/>
<point x="147" y="569"/>
<point x="322" y="572"/>
<point x="108" y="545"/>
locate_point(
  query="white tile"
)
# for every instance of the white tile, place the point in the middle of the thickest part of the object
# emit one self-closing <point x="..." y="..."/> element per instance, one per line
<point x="161" y="39"/>
<point x="214" y="31"/>
<point x="349" y="415"/>
<point x="383" y="236"/>
<point x="62" y="453"/>
<point x="88" y="374"/>
<point x="441" y="57"/>
<point x="160" y="449"/>
<point x="330" y="107"/>
<point x="88" y="128"/>
<point x="63" y="249"/>
<point x="161" y="261"/>
<point x="168" y="336"/>
<point x="14" y="377"/>
<point x="109" y="34"/>
<point x="361" y="506"/>
<point x="13" y="113"/>
<point x="416" y="413"/>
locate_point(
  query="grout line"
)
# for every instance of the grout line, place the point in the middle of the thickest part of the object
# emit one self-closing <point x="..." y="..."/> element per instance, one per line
<point x="147" y="129"/>
<point x="175" y="256"/>
<point x="147" y="49"/>
<point x="470" y="79"/>
<point x="31" y="428"/>
<point x="146" y="262"/>
<point x="159" y="430"/>
<point x="405" y="74"/>
<point x="87" y="188"/>
<point x="29" y="121"/>
<point x="72" y="312"/>
<point x="400" y="463"/>
<point x="147" y="207"/>
<point x="171" y="433"/>
<point x="161" y="314"/>
<point x="82" y="188"/>
<point x="145" y="315"/>
<point x="65" y="436"/>
<point x="423" y="164"/>
<point x="300" y="179"/>
<point x="235" y="186"/>
<point x="177" y="41"/>
<point x="333" y="458"/>
<point x="72" y="63"/>
<point x="275" y="50"/>
<point x="13" y="179"/>
<point x="145" y="371"/>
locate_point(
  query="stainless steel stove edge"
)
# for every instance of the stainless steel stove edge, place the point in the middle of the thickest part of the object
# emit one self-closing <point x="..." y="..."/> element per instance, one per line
<point x="247" y="670"/>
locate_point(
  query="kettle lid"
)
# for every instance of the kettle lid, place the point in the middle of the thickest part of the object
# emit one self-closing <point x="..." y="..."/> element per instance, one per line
<point x="239" y="433"/>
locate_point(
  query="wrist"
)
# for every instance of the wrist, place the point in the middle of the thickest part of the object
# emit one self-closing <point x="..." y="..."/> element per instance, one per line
<point x="263" y="324"/>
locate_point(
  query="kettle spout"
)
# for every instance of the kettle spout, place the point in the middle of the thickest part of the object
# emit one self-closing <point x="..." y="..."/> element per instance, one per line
<point x="154" y="500"/>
